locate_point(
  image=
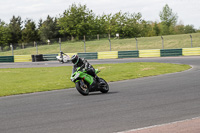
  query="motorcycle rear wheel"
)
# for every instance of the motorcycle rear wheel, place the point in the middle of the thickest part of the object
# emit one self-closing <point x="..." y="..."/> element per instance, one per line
<point x="83" y="91"/>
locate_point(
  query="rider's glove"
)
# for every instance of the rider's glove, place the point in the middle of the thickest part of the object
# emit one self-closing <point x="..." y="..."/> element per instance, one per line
<point x="86" y="65"/>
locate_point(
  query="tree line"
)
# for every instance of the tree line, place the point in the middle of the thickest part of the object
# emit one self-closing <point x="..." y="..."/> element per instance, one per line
<point x="78" y="21"/>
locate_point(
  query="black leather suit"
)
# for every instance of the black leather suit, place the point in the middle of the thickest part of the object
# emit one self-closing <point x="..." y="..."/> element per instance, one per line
<point x="83" y="63"/>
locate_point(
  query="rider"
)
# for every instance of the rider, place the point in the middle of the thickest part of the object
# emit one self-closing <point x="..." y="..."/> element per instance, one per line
<point x="61" y="56"/>
<point x="78" y="62"/>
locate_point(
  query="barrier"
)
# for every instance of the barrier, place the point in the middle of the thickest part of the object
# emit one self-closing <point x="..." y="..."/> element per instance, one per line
<point x="170" y="52"/>
<point x="88" y="55"/>
<point x="22" y="58"/>
<point x="49" y="57"/>
<point x="36" y="58"/>
<point x="149" y="53"/>
<point x="108" y="55"/>
<point x="6" y="59"/>
<point x="71" y="54"/>
<point x="128" y="54"/>
<point x="191" y="51"/>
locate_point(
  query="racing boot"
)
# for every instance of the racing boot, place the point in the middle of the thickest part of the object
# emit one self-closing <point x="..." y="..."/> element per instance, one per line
<point x="101" y="84"/>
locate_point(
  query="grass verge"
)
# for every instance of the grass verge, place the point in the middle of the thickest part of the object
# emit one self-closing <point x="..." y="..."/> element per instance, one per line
<point x="28" y="80"/>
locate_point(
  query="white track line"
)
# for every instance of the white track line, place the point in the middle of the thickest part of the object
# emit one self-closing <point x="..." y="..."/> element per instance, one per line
<point x="138" y="129"/>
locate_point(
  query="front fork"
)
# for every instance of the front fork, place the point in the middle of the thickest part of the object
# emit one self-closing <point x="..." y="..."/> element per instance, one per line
<point x="83" y="85"/>
<point x="91" y="88"/>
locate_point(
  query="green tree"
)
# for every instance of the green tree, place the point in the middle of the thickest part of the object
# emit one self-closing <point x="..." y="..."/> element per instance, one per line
<point x="90" y="21"/>
<point x="77" y="21"/>
<point x="156" y="29"/>
<point x="117" y="22"/>
<point x="168" y="19"/>
<point x="180" y="29"/>
<point x="40" y="23"/>
<point x="108" y="23"/>
<point x="132" y="26"/>
<point x="15" y="26"/>
<point x="48" y="29"/>
<point x="100" y="24"/>
<point x="5" y="35"/>
<point x="146" y="28"/>
<point x="29" y="33"/>
<point x="189" y="29"/>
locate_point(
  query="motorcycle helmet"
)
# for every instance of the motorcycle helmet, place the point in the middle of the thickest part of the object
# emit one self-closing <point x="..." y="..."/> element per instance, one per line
<point x="76" y="60"/>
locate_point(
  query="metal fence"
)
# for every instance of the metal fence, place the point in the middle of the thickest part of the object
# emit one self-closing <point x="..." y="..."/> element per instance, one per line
<point x="36" y="44"/>
<point x="16" y="46"/>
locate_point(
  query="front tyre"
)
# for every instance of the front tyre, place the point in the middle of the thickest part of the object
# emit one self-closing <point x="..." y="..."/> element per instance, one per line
<point x="104" y="87"/>
<point x="82" y="90"/>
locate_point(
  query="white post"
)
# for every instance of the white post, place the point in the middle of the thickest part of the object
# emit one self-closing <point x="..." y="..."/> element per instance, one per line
<point x="11" y="46"/>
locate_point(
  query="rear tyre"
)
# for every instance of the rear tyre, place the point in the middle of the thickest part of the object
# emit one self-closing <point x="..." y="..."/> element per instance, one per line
<point x="104" y="87"/>
<point x="82" y="90"/>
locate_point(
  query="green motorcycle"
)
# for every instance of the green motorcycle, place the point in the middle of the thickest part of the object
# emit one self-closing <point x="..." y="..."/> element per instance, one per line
<point x="86" y="83"/>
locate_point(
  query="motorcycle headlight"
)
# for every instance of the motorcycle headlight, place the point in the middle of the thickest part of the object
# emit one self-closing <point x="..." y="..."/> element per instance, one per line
<point x="75" y="77"/>
<point x="72" y="79"/>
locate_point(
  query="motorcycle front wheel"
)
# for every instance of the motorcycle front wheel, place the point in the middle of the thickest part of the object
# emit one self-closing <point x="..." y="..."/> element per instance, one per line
<point x="105" y="87"/>
<point x="82" y="90"/>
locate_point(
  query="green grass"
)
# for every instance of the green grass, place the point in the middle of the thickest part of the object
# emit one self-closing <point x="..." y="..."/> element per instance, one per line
<point x="170" y="42"/>
<point x="28" y="80"/>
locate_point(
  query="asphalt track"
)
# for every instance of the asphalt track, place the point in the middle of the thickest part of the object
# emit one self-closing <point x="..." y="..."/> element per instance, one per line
<point x="130" y="104"/>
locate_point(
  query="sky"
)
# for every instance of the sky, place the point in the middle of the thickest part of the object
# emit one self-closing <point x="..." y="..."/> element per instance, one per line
<point x="188" y="11"/>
